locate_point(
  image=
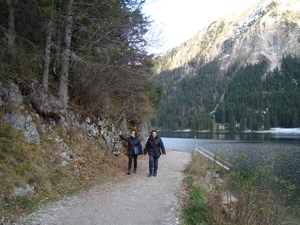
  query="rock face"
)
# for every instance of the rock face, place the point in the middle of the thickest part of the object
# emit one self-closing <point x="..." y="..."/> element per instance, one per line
<point x="94" y="128"/>
<point x="267" y="30"/>
<point x="23" y="117"/>
<point x="18" y="119"/>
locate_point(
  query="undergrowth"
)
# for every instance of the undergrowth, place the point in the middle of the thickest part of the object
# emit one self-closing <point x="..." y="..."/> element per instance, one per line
<point x="44" y="167"/>
<point x="256" y="203"/>
<point x="196" y="210"/>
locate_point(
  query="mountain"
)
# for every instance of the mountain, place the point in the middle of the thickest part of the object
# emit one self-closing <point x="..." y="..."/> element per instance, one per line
<point x="199" y="76"/>
<point x="268" y="29"/>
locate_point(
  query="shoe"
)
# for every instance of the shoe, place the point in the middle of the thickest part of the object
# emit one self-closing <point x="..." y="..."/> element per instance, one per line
<point x="155" y="175"/>
<point x="134" y="171"/>
<point x="149" y="175"/>
<point x="128" y="172"/>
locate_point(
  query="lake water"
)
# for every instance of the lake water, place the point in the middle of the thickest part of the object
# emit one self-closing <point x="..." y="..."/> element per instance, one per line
<point x="258" y="147"/>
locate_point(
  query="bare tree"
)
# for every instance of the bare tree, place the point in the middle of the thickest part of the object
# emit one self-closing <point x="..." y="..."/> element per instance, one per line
<point x="47" y="58"/>
<point x="118" y="67"/>
<point x="41" y="99"/>
<point x="11" y="35"/>
<point x="96" y="50"/>
<point x="64" y="78"/>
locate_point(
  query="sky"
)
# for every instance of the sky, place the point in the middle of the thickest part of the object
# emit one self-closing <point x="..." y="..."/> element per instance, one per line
<point x="179" y="20"/>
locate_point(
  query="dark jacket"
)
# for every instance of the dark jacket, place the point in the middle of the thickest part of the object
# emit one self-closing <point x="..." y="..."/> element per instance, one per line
<point x="132" y="142"/>
<point x="155" y="147"/>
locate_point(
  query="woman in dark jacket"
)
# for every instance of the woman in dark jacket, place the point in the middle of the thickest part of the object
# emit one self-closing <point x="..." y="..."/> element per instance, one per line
<point x="133" y="140"/>
<point x="154" y="147"/>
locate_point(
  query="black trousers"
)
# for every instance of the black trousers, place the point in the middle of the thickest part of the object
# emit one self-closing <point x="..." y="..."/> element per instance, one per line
<point x="130" y="161"/>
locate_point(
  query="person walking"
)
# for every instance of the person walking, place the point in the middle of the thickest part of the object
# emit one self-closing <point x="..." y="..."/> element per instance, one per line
<point x="154" y="147"/>
<point x="133" y="142"/>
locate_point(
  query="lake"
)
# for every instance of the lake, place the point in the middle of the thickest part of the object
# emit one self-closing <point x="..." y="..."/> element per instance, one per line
<point x="258" y="147"/>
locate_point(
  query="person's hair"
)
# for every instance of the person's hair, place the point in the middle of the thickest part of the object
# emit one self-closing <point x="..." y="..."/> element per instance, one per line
<point x="133" y="130"/>
<point x="153" y="131"/>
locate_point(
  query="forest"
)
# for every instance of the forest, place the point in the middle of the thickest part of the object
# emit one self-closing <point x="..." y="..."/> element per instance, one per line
<point x="82" y="60"/>
<point x="85" y="54"/>
<point x="91" y="55"/>
<point x="241" y="98"/>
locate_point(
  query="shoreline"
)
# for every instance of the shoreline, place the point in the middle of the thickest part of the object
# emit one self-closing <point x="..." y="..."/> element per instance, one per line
<point x="274" y="130"/>
<point x="278" y="130"/>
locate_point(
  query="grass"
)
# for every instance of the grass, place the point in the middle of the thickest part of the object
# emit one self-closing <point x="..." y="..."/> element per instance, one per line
<point x="42" y="166"/>
<point x="196" y="210"/>
<point x="256" y="204"/>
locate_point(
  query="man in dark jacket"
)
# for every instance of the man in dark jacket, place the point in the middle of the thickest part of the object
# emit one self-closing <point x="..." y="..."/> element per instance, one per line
<point x="154" y="147"/>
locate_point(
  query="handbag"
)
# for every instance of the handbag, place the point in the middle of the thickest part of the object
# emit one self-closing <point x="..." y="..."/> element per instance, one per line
<point x="136" y="150"/>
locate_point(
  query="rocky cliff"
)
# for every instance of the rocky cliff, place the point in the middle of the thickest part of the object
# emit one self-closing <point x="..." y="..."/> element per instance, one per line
<point x="75" y="149"/>
<point x="94" y="128"/>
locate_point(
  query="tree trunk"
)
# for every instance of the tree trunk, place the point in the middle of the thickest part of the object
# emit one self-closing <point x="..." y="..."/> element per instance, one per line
<point x="65" y="62"/>
<point x="46" y="104"/>
<point x="42" y="101"/>
<point x="47" y="59"/>
<point x="11" y="29"/>
<point x="58" y="33"/>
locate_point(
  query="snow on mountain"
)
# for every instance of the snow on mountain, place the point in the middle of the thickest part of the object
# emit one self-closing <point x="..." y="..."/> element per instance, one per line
<point x="267" y="30"/>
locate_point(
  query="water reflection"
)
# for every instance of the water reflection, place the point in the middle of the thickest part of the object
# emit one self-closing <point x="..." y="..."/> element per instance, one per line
<point x="243" y="136"/>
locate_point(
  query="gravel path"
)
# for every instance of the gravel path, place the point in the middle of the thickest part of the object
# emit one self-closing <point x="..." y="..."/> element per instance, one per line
<point x="129" y="199"/>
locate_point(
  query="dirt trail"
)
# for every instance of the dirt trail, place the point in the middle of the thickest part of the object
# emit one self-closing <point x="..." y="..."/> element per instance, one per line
<point x="130" y="199"/>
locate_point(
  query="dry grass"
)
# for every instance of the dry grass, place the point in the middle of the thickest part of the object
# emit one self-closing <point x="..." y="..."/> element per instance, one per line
<point x="256" y="203"/>
<point x="43" y="167"/>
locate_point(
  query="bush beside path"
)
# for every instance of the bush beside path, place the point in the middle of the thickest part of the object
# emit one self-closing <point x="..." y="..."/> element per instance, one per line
<point x="129" y="199"/>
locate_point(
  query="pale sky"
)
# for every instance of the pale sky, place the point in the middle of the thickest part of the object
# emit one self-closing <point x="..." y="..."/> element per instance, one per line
<point x="180" y="20"/>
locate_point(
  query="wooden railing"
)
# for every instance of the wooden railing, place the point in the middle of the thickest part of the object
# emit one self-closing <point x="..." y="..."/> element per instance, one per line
<point x="221" y="162"/>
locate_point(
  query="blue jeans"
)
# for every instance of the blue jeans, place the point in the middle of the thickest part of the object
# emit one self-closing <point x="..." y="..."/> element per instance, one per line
<point x="153" y="164"/>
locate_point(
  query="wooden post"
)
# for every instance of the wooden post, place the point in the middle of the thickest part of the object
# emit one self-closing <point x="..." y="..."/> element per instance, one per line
<point x="195" y="145"/>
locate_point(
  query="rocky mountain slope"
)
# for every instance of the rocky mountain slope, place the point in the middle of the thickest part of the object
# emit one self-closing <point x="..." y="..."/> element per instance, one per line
<point x="267" y="30"/>
<point x="240" y="70"/>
